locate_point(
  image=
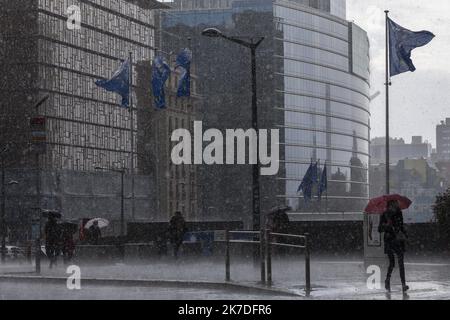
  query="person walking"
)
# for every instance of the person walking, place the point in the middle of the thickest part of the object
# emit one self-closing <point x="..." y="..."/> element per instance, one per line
<point x="52" y="240"/>
<point x="177" y="229"/>
<point x="68" y="246"/>
<point x="94" y="233"/>
<point x="395" y="236"/>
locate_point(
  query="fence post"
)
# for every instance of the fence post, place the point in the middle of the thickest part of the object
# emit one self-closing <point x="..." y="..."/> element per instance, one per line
<point x="227" y="256"/>
<point x="262" y="256"/>
<point x="307" y="266"/>
<point x="269" y="257"/>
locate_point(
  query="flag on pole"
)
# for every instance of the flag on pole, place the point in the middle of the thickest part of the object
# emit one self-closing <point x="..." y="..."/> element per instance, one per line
<point x="183" y="66"/>
<point x="323" y="184"/>
<point x="119" y="83"/>
<point x="160" y="74"/>
<point x="401" y="43"/>
<point x="308" y="182"/>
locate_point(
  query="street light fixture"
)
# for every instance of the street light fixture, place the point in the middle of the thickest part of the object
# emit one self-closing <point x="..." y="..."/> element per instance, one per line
<point x="253" y="45"/>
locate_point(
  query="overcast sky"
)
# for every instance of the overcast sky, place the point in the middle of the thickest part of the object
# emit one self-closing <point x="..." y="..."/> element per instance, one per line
<point x="419" y="100"/>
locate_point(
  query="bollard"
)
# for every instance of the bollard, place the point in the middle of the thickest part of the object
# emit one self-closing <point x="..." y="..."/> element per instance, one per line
<point x="269" y="257"/>
<point x="261" y="256"/>
<point x="307" y="266"/>
<point x="227" y="256"/>
<point x="38" y="256"/>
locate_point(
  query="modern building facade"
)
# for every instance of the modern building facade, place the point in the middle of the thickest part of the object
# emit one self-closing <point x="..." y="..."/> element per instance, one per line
<point x="313" y="85"/>
<point x="399" y="150"/>
<point x="443" y="140"/>
<point x="86" y="126"/>
<point x="43" y="53"/>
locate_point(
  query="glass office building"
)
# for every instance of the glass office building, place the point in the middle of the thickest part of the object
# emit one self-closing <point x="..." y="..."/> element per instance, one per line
<point x="86" y="126"/>
<point x="313" y="70"/>
<point x="325" y="87"/>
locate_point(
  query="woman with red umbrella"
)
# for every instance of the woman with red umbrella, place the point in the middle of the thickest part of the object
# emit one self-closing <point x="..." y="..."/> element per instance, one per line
<point x="391" y="224"/>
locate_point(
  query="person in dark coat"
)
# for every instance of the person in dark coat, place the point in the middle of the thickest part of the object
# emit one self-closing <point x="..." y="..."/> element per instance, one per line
<point x="68" y="246"/>
<point x="177" y="229"/>
<point x="277" y="221"/>
<point x="94" y="233"/>
<point x="391" y="224"/>
<point x="52" y="240"/>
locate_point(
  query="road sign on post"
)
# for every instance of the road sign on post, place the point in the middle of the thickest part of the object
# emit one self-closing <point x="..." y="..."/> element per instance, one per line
<point x="38" y="126"/>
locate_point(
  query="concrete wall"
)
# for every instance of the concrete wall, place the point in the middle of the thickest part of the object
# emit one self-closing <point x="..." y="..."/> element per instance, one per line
<point x="77" y="195"/>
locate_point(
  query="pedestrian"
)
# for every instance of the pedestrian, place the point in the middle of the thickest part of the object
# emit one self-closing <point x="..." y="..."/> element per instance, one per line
<point x="277" y="221"/>
<point x="52" y="240"/>
<point x="177" y="229"/>
<point x="94" y="233"/>
<point x="68" y="246"/>
<point x="395" y="236"/>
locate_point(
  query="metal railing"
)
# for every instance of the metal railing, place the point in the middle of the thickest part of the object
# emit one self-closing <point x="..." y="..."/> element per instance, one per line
<point x="228" y="241"/>
<point x="265" y="243"/>
<point x="305" y="246"/>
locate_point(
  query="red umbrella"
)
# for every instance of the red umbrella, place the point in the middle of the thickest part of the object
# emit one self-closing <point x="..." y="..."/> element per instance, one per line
<point x="379" y="205"/>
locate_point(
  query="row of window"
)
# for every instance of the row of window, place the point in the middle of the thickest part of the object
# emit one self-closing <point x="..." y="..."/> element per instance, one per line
<point x="95" y="40"/>
<point x="312" y="21"/>
<point x="303" y="154"/>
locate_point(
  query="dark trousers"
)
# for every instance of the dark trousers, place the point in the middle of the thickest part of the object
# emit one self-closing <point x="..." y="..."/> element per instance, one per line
<point x="176" y="248"/>
<point x="401" y="265"/>
<point x="52" y="253"/>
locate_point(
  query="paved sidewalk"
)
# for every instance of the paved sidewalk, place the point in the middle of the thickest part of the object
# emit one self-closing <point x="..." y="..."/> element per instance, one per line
<point x="331" y="278"/>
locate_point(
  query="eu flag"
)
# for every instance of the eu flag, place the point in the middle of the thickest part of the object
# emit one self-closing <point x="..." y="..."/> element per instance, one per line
<point x="160" y="74"/>
<point x="119" y="83"/>
<point x="183" y="64"/>
<point x="401" y="43"/>
<point x="323" y="183"/>
<point x="308" y="182"/>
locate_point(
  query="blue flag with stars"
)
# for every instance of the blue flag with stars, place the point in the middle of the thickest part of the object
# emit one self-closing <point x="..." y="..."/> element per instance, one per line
<point x="183" y="66"/>
<point x="119" y="83"/>
<point x="401" y="43"/>
<point x="160" y="74"/>
<point x="323" y="183"/>
<point x="308" y="182"/>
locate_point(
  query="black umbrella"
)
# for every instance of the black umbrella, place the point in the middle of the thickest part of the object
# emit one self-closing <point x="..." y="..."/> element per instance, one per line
<point x="51" y="214"/>
<point x="69" y="227"/>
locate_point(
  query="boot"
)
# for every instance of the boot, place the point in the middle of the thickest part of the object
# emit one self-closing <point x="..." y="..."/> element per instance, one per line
<point x="405" y="288"/>
<point x="387" y="285"/>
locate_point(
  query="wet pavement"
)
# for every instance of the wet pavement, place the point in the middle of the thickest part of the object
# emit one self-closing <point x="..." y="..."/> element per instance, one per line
<point x="332" y="278"/>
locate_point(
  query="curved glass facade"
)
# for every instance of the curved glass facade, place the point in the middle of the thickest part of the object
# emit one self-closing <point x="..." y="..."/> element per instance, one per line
<point x="323" y="91"/>
<point x="313" y="84"/>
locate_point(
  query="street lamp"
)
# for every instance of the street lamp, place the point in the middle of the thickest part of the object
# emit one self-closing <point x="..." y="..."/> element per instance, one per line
<point x="122" y="205"/>
<point x="3" y="206"/>
<point x="216" y="33"/>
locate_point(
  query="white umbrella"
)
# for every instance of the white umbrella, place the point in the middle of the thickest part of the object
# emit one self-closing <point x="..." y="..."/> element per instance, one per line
<point x="102" y="223"/>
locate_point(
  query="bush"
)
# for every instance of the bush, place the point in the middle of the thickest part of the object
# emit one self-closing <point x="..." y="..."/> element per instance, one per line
<point x="441" y="211"/>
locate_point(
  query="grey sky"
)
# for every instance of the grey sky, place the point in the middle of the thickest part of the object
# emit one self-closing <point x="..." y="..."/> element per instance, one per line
<point x="419" y="100"/>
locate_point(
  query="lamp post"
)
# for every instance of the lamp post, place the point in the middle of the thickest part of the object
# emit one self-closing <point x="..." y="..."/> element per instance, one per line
<point x="122" y="203"/>
<point x="3" y="205"/>
<point x="216" y="33"/>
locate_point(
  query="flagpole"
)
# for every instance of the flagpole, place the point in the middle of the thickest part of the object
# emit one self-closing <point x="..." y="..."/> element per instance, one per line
<point x="319" y="200"/>
<point x="326" y="193"/>
<point x="326" y="190"/>
<point x="130" y="83"/>
<point x="388" y="191"/>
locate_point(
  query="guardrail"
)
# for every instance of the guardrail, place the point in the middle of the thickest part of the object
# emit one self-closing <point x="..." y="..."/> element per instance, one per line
<point x="305" y="246"/>
<point x="260" y="243"/>
<point x="265" y="243"/>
